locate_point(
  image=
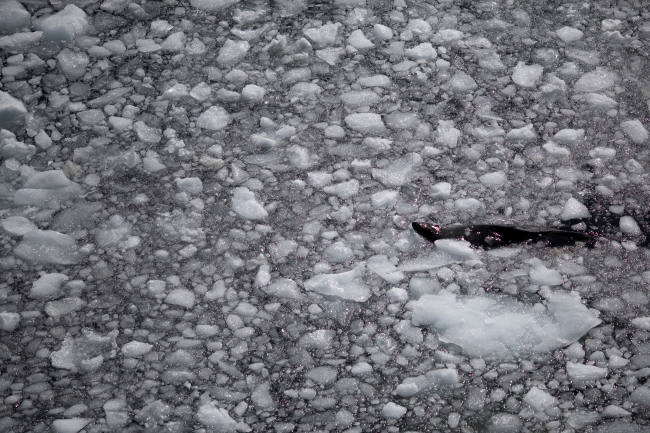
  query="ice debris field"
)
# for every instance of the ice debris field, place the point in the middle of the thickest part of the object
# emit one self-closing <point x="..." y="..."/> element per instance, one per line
<point x="206" y="207"/>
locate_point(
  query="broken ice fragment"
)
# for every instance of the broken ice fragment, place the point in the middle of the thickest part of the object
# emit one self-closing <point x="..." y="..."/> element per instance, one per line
<point x="243" y="203"/>
<point x="48" y="247"/>
<point x="232" y="52"/>
<point x="462" y="83"/>
<point x="595" y="81"/>
<point x="366" y="123"/>
<point x="573" y="209"/>
<point x="635" y="130"/>
<point x="526" y="76"/>
<point x="214" y="118"/>
<point x="12" y="111"/>
<point x="345" y="285"/>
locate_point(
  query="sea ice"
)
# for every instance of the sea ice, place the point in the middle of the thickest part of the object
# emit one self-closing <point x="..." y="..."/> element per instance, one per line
<point x="47" y="286"/>
<point x="17" y="226"/>
<point x="400" y="171"/>
<point x="526" y="76"/>
<point x="386" y="270"/>
<point x="502" y="328"/>
<point x="64" y="26"/>
<point x="345" y="285"/>
<point x="462" y="83"/>
<point x="214" y="118"/>
<point x="12" y="111"/>
<point x="595" y="81"/>
<point x="635" y="130"/>
<point x="48" y="247"/>
<point x="569" y="34"/>
<point x="366" y="123"/>
<point x="573" y="209"/>
<point x="14" y="17"/>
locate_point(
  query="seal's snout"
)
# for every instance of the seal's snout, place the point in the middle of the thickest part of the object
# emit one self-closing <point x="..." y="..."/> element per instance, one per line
<point x="428" y="231"/>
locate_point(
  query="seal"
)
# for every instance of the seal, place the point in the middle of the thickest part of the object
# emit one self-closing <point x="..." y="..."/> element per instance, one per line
<point x="495" y="235"/>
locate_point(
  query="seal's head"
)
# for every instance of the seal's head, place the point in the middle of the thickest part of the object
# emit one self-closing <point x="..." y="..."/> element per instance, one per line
<point x="430" y="232"/>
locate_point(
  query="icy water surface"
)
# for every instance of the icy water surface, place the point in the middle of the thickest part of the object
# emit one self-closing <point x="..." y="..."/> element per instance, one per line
<point x="206" y="207"/>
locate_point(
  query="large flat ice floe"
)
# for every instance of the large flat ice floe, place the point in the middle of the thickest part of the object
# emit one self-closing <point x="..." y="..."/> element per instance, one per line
<point x="498" y="327"/>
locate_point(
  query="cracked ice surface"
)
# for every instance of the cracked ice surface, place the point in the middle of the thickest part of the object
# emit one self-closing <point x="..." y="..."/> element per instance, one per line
<point x="205" y="213"/>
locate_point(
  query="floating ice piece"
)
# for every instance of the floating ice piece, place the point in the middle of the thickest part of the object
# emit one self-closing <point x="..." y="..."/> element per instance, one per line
<point x="360" y="97"/>
<point x="232" y="52"/>
<point x="48" y="247"/>
<point x="69" y="425"/>
<point x="491" y="62"/>
<point x="12" y="111"/>
<point x="573" y="209"/>
<point x="338" y="252"/>
<point x="345" y="285"/>
<point x="424" y="51"/>
<point x="47" y="286"/>
<point x="245" y="206"/>
<point x="181" y="297"/>
<point x="462" y="83"/>
<point x="441" y="190"/>
<point x="434" y="381"/>
<point x="584" y="372"/>
<point x="133" y="349"/>
<point x="402" y="120"/>
<point x="213" y="5"/>
<point x="64" y="26"/>
<point x="392" y="411"/>
<point x="460" y="250"/>
<point x="539" y="400"/>
<point x="359" y="41"/>
<point x="331" y="56"/>
<point x="324" y="36"/>
<point x="642" y="323"/>
<point x="502" y="328"/>
<point x="543" y="276"/>
<point x="384" y="198"/>
<point x="436" y="259"/>
<point x="366" y="123"/>
<point x="525" y="134"/>
<point x="64" y="306"/>
<point x="635" y="130"/>
<point x="20" y="42"/>
<point x="447" y="36"/>
<point x="628" y="226"/>
<point x="569" y="136"/>
<point x="252" y="93"/>
<point x="214" y="118"/>
<point x="344" y="190"/>
<point x="84" y="352"/>
<point x="596" y="101"/>
<point x="399" y="172"/>
<point x="493" y="180"/>
<point x="386" y="270"/>
<point x="382" y="33"/>
<point x="17" y="226"/>
<point x="218" y="419"/>
<point x="14" y="17"/>
<point x="72" y="64"/>
<point x="283" y="288"/>
<point x="467" y="204"/>
<point x="556" y="150"/>
<point x="595" y="81"/>
<point x="305" y="90"/>
<point x="374" y="81"/>
<point x="321" y="339"/>
<point x="569" y="34"/>
<point x="448" y="135"/>
<point x="9" y="321"/>
<point x="526" y="76"/>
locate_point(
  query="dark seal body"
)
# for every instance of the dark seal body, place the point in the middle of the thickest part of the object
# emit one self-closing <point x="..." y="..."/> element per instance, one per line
<point x="494" y="235"/>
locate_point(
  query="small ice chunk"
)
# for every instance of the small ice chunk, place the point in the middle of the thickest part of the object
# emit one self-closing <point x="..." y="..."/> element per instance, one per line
<point x="213" y="5"/>
<point x="361" y="369"/>
<point x="345" y="285"/>
<point x="9" y="321"/>
<point x="628" y="226"/>
<point x="174" y="42"/>
<point x="526" y="76"/>
<point x="190" y="185"/>
<point x="543" y="276"/>
<point x="386" y="270"/>
<point x="469" y="204"/>
<point x="382" y="33"/>
<point x="424" y="51"/>
<point x="47" y="247"/>
<point x="575" y="350"/>
<point x="392" y="411"/>
<point x="385" y="198"/>
<point x="595" y="81"/>
<point x="642" y="323"/>
<point x="64" y="306"/>
<point x="64" y="26"/>
<point x="458" y="249"/>
<point x="321" y="339"/>
<point x="21" y="41"/>
<point x="319" y="179"/>
<point x="324" y="36"/>
<point x="214" y="118"/>
<point x="181" y="297"/>
<point x="539" y="400"/>
<point x="47" y="286"/>
<point x="584" y="372"/>
<point x="556" y="150"/>
<point x="232" y="52"/>
<point x="399" y="295"/>
<point x="366" y="123"/>
<point x="441" y="190"/>
<point x="635" y="130"/>
<point x="283" y="288"/>
<point x="462" y="83"/>
<point x="217" y="418"/>
<point x="525" y="134"/>
<point x="17" y="226"/>
<point x="12" y="111"/>
<point x="374" y="81"/>
<point x="569" y="136"/>
<point x="360" y="97"/>
<point x="400" y="171"/>
<point x="252" y="93"/>
<point x="338" y="252"/>
<point x="133" y="349"/>
<point x="448" y="135"/>
<point x="14" y="17"/>
<point x="343" y="190"/>
<point x="359" y="41"/>
<point x="495" y="179"/>
<point x="69" y="425"/>
<point x="573" y="209"/>
<point x="569" y="34"/>
<point x="402" y="120"/>
<point x="72" y="64"/>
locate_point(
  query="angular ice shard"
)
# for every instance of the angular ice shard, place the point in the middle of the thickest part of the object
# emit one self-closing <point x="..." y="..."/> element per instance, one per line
<point x="345" y="285"/>
<point x="245" y="206"/>
<point x="48" y="247"/>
